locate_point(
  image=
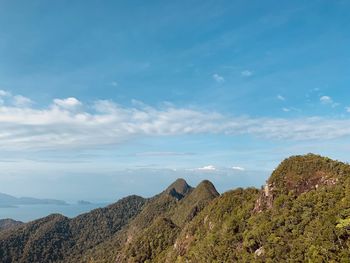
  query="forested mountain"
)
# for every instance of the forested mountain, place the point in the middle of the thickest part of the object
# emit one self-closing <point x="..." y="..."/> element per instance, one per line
<point x="58" y="239"/>
<point x="9" y="223"/>
<point x="302" y="214"/>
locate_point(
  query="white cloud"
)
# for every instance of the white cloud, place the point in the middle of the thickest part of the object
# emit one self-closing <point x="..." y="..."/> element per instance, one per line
<point x="21" y="101"/>
<point x="326" y="100"/>
<point x="163" y="154"/>
<point x="114" y="83"/>
<point x="238" y="168"/>
<point x="207" y="168"/>
<point x="107" y="123"/>
<point x="347" y="109"/>
<point x="4" y="93"/>
<point x="286" y="109"/>
<point x="247" y="73"/>
<point x="280" y="97"/>
<point x="218" y="78"/>
<point x="68" y="103"/>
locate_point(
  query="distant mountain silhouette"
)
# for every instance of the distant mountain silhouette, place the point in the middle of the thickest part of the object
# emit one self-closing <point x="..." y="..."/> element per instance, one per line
<point x="9" y="200"/>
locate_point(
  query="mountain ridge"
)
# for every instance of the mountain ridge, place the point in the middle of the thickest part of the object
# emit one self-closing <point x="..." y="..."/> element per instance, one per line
<point x="302" y="214"/>
<point x="7" y="223"/>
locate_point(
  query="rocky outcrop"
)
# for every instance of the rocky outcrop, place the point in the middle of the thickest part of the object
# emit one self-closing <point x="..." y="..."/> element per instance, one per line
<point x="300" y="174"/>
<point x="265" y="200"/>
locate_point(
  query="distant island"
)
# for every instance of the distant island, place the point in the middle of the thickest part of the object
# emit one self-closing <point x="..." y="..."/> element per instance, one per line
<point x="12" y="201"/>
<point x="83" y="202"/>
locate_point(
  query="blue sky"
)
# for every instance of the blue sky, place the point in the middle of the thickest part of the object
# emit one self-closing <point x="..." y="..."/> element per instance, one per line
<point x="100" y="99"/>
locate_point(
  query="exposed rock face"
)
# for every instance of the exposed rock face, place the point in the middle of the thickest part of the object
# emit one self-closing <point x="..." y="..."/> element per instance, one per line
<point x="181" y="246"/>
<point x="297" y="175"/>
<point x="259" y="252"/>
<point x="265" y="201"/>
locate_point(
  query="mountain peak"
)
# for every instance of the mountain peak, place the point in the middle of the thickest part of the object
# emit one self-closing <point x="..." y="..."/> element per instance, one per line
<point x="207" y="186"/>
<point x="299" y="174"/>
<point x="179" y="189"/>
<point x="302" y="173"/>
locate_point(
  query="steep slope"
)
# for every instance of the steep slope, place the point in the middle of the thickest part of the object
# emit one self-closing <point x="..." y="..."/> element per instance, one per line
<point x="43" y="240"/>
<point x="160" y="234"/>
<point x="299" y="174"/>
<point x="301" y="215"/>
<point x="305" y="218"/>
<point x="157" y="226"/>
<point x="152" y="243"/>
<point x="179" y="189"/>
<point x="58" y="239"/>
<point x="155" y="207"/>
<point x="160" y="204"/>
<point x="192" y="204"/>
<point x="216" y="233"/>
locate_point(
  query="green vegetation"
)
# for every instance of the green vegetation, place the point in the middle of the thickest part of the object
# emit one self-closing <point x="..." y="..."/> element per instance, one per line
<point x="301" y="215"/>
<point x="58" y="239"/>
<point x="154" y="229"/>
<point x="309" y="219"/>
<point x="153" y="241"/>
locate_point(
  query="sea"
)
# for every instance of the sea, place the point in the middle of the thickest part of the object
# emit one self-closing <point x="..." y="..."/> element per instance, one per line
<point x="26" y="213"/>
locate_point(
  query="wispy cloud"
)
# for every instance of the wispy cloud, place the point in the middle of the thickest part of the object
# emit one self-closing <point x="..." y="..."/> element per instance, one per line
<point x="218" y="78"/>
<point x="68" y="123"/>
<point x="289" y="109"/>
<point x="21" y="101"/>
<point x="247" y="73"/>
<point x="164" y="154"/>
<point x="69" y="103"/>
<point x="281" y="98"/>
<point x="327" y="100"/>
<point x="347" y="109"/>
<point x="238" y="168"/>
<point x="207" y="168"/>
<point x="4" y="93"/>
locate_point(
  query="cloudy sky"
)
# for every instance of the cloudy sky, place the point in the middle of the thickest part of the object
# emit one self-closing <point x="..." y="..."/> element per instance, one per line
<point x="100" y="99"/>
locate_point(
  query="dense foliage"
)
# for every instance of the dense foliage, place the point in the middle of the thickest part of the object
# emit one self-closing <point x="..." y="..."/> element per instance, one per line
<point x="154" y="229"/>
<point x="56" y="238"/>
<point x="308" y="225"/>
<point x="301" y="215"/>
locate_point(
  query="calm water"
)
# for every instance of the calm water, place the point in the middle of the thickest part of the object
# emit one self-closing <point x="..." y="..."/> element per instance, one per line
<point x="27" y="213"/>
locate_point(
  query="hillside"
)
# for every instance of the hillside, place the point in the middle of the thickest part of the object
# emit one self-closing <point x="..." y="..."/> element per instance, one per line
<point x="155" y="225"/>
<point x="302" y="214"/>
<point x="58" y="239"/>
<point x="8" y="223"/>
